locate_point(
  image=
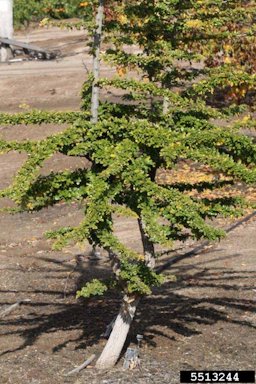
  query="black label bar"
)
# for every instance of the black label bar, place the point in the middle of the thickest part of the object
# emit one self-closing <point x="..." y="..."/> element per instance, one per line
<point x="217" y="377"/>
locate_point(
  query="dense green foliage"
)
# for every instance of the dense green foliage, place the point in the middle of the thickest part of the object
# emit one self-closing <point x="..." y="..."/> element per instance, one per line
<point x="164" y="118"/>
<point x="26" y="11"/>
<point x="40" y="117"/>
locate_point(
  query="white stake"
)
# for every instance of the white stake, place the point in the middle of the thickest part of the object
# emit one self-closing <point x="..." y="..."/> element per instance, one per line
<point x="6" y="26"/>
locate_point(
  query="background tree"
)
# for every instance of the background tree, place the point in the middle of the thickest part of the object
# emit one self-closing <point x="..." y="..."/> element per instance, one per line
<point x="163" y="121"/>
<point x="31" y="11"/>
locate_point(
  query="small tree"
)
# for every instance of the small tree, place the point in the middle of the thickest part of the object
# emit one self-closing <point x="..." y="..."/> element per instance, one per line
<point x="163" y="120"/>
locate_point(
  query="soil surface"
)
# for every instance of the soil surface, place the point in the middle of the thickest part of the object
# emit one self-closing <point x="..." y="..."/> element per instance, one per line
<point x="51" y="85"/>
<point x="204" y="320"/>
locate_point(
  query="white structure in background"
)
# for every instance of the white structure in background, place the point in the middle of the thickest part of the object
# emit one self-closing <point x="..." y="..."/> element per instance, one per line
<point x="6" y="25"/>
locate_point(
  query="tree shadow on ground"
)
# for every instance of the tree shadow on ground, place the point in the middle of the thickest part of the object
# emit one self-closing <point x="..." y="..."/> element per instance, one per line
<point x="185" y="315"/>
<point x="202" y="295"/>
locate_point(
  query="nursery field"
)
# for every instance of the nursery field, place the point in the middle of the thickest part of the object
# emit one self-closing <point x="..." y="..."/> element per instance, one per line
<point x="46" y="85"/>
<point x="204" y="319"/>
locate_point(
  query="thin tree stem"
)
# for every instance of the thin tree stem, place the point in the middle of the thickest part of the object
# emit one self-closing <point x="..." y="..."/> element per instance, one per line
<point x="166" y="105"/>
<point x="148" y="245"/>
<point x="96" y="62"/>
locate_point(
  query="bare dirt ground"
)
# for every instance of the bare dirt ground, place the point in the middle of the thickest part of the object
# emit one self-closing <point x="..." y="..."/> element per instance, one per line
<point x="205" y="320"/>
<point x="51" y="85"/>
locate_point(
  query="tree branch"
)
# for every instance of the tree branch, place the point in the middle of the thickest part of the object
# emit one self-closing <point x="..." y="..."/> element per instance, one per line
<point x="82" y="366"/>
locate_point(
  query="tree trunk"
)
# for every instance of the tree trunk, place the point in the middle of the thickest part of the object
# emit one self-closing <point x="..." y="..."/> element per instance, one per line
<point x="96" y="62"/>
<point x="148" y="246"/>
<point x="115" y="343"/>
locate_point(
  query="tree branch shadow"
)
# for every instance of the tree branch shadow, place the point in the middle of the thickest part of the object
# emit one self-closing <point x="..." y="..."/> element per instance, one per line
<point x="168" y="312"/>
